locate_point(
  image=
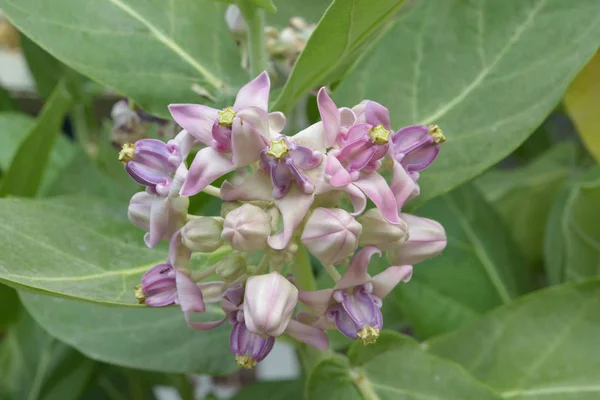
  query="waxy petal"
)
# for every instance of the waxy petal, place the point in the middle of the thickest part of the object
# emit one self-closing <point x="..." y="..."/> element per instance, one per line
<point x="247" y="140"/>
<point x="308" y="334"/>
<point x="403" y="186"/>
<point x="189" y="294"/>
<point x="414" y="147"/>
<point x="276" y="123"/>
<point x="386" y="281"/>
<point x="254" y="93"/>
<point x="293" y="207"/>
<point x="427" y="238"/>
<point x="159" y="221"/>
<point x="330" y="115"/>
<point x="335" y="173"/>
<point x="207" y="166"/>
<point x="196" y="119"/>
<point x="377" y="189"/>
<point x="318" y="300"/>
<point x="376" y="114"/>
<point x="356" y="274"/>
<point x="312" y="137"/>
<point x="179" y="254"/>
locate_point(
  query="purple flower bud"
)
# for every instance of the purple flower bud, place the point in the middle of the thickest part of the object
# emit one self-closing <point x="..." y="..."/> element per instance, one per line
<point x="286" y="161"/>
<point x="159" y="286"/>
<point x="247" y="228"/>
<point x="235" y="21"/>
<point x="269" y="301"/>
<point x="331" y="234"/>
<point x="357" y="313"/>
<point x="203" y="234"/>
<point x="249" y="348"/>
<point x="415" y="147"/>
<point x="378" y="232"/>
<point x="427" y="238"/>
<point x="151" y="163"/>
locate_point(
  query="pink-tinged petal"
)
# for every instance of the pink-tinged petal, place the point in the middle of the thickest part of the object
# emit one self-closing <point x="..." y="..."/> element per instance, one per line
<point x="359" y="111"/>
<point x="256" y="187"/>
<point x="347" y="117"/>
<point x="179" y="255"/>
<point x="403" y="186"/>
<point x="159" y="221"/>
<point x="276" y="122"/>
<point x="356" y="274"/>
<point x="358" y="154"/>
<point x="335" y="173"/>
<point x="357" y="132"/>
<point x="318" y="300"/>
<point x="343" y="322"/>
<point x="281" y="178"/>
<point x="160" y="294"/>
<point x="189" y="295"/>
<point x="330" y="115"/>
<point x="414" y="147"/>
<point x="427" y="238"/>
<point x="204" y="326"/>
<point x="196" y="119"/>
<point x="421" y="158"/>
<point x="185" y="141"/>
<point x="308" y="334"/>
<point x="254" y="93"/>
<point x="312" y="137"/>
<point x="293" y="208"/>
<point x="377" y="189"/>
<point x="247" y="139"/>
<point x="207" y="166"/>
<point x="376" y="114"/>
<point x="386" y="281"/>
<point x="357" y="198"/>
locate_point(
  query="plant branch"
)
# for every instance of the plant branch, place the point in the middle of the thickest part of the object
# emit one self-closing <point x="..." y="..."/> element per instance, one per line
<point x="255" y="19"/>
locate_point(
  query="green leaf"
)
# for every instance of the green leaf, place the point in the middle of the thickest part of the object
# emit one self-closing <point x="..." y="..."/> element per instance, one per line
<point x="572" y="246"/>
<point x="45" y="69"/>
<point x="266" y="4"/>
<point x="150" y="51"/>
<point x="37" y="367"/>
<point x="9" y="306"/>
<point x="488" y="72"/>
<point x="145" y="338"/>
<point x="524" y="196"/>
<point x="537" y="348"/>
<point x="6" y="101"/>
<point x="343" y="34"/>
<point x="274" y="390"/>
<point x="310" y="10"/>
<point x="77" y="247"/>
<point x="582" y="101"/>
<point x="27" y="168"/>
<point x="393" y="368"/>
<point x="481" y="267"/>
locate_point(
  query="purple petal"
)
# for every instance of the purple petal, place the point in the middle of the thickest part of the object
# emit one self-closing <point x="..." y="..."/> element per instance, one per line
<point x="347" y="117"/>
<point x="305" y="185"/>
<point x="318" y="300"/>
<point x="293" y="208"/>
<point x="179" y="255"/>
<point x="361" y="307"/>
<point x="376" y="114"/>
<point x="157" y="273"/>
<point x="161" y="294"/>
<point x="196" y="119"/>
<point x="308" y="334"/>
<point x="248" y="140"/>
<point x="385" y="281"/>
<point x="330" y="115"/>
<point x="207" y="166"/>
<point x="254" y="93"/>
<point x="281" y="178"/>
<point x="377" y="189"/>
<point x="258" y="186"/>
<point x="189" y="294"/>
<point x="306" y="158"/>
<point x="204" y="326"/>
<point x="336" y="173"/>
<point x="343" y="322"/>
<point x="414" y="147"/>
<point x="159" y="221"/>
<point x="358" y="154"/>
<point x="357" y="132"/>
<point x="403" y="186"/>
<point x="356" y="274"/>
<point x="221" y="137"/>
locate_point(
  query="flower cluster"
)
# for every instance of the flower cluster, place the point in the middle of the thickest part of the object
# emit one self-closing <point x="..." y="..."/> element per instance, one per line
<point x="310" y="189"/>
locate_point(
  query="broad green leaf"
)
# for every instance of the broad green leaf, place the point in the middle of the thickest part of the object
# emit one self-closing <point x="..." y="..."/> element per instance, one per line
<point x="488" y="72"/>
<point x="582" y="102"/>
<point x="45" y="69"/>
<point x="481" y="267"/>
<point x="273" y="390"/>
<point x="393" y="368"/>
<point x="524" y="196"/>
<point x="153" y="51"/>
<point x="310" y="10"/>
<point x="6" y="101"/>
<point x="80" y="248"/>
<point x="27" y="167"/>
<point x="36" y="366"/>
<point x="266" y="4"/>
<point x="572" y="246"/>
<point x="145" y="338"/>
<point x="343" y="34"/>
<point x="537" y="348"/>
<point x="9" y="306"/>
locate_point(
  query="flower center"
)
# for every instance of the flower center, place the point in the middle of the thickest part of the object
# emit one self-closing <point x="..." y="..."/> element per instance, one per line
<point x="278" y="149"/>
<point x="127" y="153"/>
<point x="245" y="361"/>
<point x="226" y="117"/>
<point x="437" y="134"/>
<point x="139" y="294"/>
<point x="379" y="135"/>
<point x="368" y="334"/>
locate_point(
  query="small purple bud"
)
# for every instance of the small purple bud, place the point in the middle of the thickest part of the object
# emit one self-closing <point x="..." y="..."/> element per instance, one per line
<point x="427" y="238"/>
<point x="416" y="147"/>
<point x="159" y="286"/>
<point x="269" y="301"/>
<point x="203" y="234"/>
<point x="249" y="348"/>
<point x="247" y="228"/>
<point x="378" y="232"/>
<point x="331" y="234"/>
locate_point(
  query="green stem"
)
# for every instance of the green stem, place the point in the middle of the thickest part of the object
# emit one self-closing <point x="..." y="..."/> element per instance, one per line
<point x="197" y="276"/>
<point x="364" y="386"/>
<point x="212" y="190"/>
<point x="255" y="19"/>
<point x="333" y="272"/>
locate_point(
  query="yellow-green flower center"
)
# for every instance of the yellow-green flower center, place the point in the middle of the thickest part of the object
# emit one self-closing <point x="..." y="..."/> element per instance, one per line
<point x="437" y="134"/>
<point x="379" y="135"/>
<point x="245" y="361"/>
<point x="226" y="117"/>
<point x="278" y="149"/>
<point x="368" y="335"/>
<point x="127" y="153"/>
<point x="139" y="294"/>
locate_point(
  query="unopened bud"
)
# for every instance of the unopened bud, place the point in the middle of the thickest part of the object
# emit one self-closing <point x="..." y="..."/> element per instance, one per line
<point x="235" y="21"/>
<point x="427" y="238"/>
<point x="247" y="228"/>
<point x="378" y="232"/>
<point x="331" y="234"/>
<point x="229" y="206"/>
<point x="269" y="301"/>
<point x="231" y="267"/>
<point x="298" y="23"/>
<point x="203" y="234"/>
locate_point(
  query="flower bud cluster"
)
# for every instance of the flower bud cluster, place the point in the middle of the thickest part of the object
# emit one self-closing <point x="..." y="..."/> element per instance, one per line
<point x="293" y="203"/>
